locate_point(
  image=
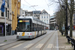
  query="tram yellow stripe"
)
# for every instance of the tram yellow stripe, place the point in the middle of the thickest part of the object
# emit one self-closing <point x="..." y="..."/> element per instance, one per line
<point x="23" y="34"/>
<point x="35" y="34"/>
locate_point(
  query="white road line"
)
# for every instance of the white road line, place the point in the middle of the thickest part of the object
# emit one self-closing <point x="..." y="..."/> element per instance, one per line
<point x="28" y="46"/>
<point x="2" y="44"/>
<point x="57" y="42"/>
<point x="17" y="45"/>
<point x="50" y="46"/>
<point x="39" y="46"/>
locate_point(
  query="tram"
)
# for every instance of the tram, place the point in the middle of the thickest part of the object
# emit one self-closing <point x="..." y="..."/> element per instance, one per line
<point x="30" y="27"/>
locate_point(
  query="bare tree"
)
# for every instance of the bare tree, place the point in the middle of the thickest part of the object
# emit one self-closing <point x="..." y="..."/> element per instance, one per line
<point x="70" y="7"/>
<point x="71" y="11"/>
<point x="60" y="18"/>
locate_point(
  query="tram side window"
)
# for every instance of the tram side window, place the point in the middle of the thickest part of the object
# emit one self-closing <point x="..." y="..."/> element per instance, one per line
<point x="42" y="27"/>
<point x="37" y="27"/>
<point x="34" y="27"/>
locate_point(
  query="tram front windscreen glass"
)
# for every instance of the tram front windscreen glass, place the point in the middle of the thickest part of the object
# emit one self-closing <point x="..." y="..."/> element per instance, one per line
<point x="23" y="26"/>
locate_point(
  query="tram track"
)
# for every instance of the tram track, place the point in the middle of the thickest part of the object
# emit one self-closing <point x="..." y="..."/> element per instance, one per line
<point x="39" y="41"/>
<point x="55" y="46"/>
<point x="12" y="44"/>
<point x="16" y="43"/>
<point x="9" y="43"/>
<point x="46" y="42"/>
<point x="21" y="42"/>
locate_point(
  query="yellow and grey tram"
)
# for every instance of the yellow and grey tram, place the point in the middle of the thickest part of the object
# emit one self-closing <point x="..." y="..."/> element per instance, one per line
<point x="30" y="27"/>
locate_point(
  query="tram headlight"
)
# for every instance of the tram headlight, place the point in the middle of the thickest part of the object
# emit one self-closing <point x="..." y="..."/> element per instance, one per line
<point x="30" y="33"/>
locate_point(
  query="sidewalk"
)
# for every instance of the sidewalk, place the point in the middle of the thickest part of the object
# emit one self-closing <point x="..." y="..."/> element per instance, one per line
<point x="63" y="44"/>
<point x="10" y="39"/>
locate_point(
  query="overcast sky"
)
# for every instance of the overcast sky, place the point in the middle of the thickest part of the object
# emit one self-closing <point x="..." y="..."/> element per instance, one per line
<point x="50" y="6"/>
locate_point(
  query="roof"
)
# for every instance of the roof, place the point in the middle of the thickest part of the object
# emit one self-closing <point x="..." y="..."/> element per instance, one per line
<point x="36" y="12"/>
<point x="43" y="11"/>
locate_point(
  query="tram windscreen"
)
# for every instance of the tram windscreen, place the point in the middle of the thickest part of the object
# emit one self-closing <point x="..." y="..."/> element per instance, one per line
<point x="23" y="26"/>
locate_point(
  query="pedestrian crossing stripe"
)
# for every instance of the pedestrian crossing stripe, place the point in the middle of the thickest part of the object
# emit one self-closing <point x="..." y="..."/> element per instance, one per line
<point x="28" y="46"/>
<point x="2" y="44"/>
<point x="50" y="46"/>
<point x="17" y="45"/>
<point x="39" y="46"/>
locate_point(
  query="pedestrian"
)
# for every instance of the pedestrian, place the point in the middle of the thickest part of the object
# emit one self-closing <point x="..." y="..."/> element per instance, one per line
<point x="16" y="31"/>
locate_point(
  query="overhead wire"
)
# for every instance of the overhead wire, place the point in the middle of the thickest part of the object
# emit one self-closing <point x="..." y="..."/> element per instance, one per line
<point x="48" y="4"/>
<point x="29" y="4"/>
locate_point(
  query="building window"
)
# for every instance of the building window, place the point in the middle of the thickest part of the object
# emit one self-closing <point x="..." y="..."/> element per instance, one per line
<point x="6" y="12"/>
<point x="2" y="13"/>
<point x="47" y="16"/>
<point x="47" y="22"/>
<point x="42" y="16"/>
<point x="44" y="20"/>
<point x="8" y="3"/>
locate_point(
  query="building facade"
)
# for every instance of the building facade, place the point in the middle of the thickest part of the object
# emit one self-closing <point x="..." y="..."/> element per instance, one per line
<point x="16" y="4"/>
<point x="44" y="16"/>
<point x="22" y="12"/>
<point x="28" y="13"/>
<point x="8" y="18"/>
<point x="53" y="23"/>
<point x="35" y="14"/>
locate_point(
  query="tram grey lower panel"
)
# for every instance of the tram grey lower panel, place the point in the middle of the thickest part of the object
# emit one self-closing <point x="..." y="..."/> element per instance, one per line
<point x="25" y="37"/>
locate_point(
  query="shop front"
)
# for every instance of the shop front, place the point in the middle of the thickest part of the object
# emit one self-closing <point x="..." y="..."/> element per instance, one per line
<point x="2" y="29"/>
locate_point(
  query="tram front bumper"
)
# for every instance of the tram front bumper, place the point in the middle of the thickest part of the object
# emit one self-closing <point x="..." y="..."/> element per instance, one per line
<point x="25" y="37"/>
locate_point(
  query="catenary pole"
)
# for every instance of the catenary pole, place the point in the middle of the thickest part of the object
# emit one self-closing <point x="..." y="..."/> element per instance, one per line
<point x="5" y="22"/>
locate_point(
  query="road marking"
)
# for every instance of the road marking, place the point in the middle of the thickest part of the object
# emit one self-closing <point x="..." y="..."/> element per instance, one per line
<point x="28" y="46"/>
<point x="39" y="46"/>
<point x="57" y="42"/>
<point x="17" y="45"/>
<point x="2" y="44"/>
<point x="50" y="46"/>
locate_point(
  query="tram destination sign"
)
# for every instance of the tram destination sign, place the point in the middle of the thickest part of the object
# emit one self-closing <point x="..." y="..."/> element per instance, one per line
<point x="23" y="21"/>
